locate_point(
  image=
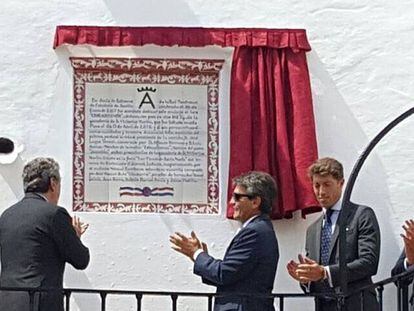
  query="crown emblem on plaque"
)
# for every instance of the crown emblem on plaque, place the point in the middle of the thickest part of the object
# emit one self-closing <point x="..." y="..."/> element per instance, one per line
<point x="146" y="99"/>
<point x="146" y="89"/>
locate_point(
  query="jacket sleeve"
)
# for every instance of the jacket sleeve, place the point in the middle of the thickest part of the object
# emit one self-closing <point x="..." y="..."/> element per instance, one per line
<point x="368" y="240"/>
<point x="239" y="261"/>
<point x="70" y="246"/>
<point x="399" y="266"/>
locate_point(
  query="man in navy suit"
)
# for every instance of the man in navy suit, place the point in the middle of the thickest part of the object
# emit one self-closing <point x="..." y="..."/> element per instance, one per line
<point x="249" y="265"/>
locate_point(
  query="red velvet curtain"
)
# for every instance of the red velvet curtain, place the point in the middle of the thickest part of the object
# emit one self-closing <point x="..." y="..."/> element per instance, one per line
<point x="272" y="123"/>
<point x="271" y="116"/>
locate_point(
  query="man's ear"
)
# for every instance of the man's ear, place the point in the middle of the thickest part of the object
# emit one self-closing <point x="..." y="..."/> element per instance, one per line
<point x="53" y="184"/>
<point x="257" y="201"/>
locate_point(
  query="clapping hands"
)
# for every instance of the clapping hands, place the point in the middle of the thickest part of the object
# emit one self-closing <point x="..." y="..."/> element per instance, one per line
<point x="186" y="245"/>
<point x="305" y="270"/>
<point x="408" y="237"/>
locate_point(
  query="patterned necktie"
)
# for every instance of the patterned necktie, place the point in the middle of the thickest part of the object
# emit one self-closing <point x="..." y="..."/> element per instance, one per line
<point x="326" y="238"/>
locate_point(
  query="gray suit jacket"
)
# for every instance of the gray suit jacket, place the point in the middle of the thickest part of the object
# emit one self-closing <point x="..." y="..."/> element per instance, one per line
<point x="36" y="239"/>
<point x="363" y="250"/>
<point x="249" y="266"/>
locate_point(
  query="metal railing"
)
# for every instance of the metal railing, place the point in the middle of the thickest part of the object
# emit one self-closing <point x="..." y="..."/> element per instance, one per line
<point x="401" y="281"/>
<point x="346" y="200"/>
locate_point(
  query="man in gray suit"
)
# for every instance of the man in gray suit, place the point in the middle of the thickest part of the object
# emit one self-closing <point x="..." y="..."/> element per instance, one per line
<point x="248" y="268"/>
<point x="37" y="238"/>
<point x="318" y="271"/>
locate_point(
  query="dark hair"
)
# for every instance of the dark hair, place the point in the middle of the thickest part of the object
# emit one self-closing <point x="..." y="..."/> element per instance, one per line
<point x="37" y="174"/>
<point x="259" y="184"/>
<point x="326" y="166"/>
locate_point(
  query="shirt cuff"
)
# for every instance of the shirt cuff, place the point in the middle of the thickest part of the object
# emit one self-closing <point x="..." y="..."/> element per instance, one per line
<point x="406" y="265"/>
<point x="197" y="252"/>
<point x="328" y="275"/>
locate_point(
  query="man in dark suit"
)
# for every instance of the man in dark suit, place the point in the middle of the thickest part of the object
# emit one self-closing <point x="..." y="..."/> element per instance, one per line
<point x="250" y="262"/>
<point x="318" y="272"/>
<point x="37" y="237"/>
<point x="406" y="260"/>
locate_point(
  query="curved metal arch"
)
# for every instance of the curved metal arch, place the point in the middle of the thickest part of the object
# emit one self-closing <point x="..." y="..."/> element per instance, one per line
<point x="348" y="191"/>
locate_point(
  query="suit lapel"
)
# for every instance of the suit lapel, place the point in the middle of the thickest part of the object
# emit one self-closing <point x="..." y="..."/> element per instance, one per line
<point x="318" y="239"/>
<point x="334" y="237"/>
<point x="242" y="228"/>
<point x="232" y="241"/>
<point x="335" y="234"/>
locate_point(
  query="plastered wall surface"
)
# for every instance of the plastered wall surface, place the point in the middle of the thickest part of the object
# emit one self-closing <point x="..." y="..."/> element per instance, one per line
<point x="362" y="72"/>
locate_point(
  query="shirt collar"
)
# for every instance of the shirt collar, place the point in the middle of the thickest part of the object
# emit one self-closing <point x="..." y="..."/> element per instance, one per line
<point x="42" y="196"/>
<point x="249" y="221"/>
<point x="336" y="207"/>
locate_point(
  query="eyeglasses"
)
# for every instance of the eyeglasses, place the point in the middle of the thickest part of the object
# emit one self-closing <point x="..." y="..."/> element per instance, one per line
<point x="237" y="196"/>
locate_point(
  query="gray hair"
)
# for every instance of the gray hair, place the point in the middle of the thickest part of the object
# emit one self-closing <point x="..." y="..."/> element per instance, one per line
<point x="259" y="184"/>
<point x="37" y="174"/>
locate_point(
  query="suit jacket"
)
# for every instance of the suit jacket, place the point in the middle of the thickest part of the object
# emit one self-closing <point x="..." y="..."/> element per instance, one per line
<point x="362" y="256"/>
<point x="36" y="239"/>
<point x="249" y="266"/>
<point x="399" y="265"/>
<point x="399" y="268"/>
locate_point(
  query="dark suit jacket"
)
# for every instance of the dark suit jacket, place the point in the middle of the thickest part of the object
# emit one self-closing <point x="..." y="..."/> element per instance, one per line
<point x="249" y="266"/>
<point x="399" y="268"/>
<point x="363" y="250"/>
<point x="36" y="239"/>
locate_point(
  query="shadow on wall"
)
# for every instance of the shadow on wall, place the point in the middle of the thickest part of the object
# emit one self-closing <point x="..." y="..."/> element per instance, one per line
<point x="148" y="13"/>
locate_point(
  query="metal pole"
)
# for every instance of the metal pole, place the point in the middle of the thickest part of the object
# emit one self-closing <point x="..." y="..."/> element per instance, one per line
<point x="399" y="296"/>
<point x="404" y="296"/>
<point x="67" y="300"/>
<point x="103" y="301"/>
<point x="210" y="303"/>
<point x="362" y="296"/>
<point x="31" y="300"/>
<point x="139" y="299"/>
<point x="380" y="291"/>
<point x="174" y="302"/>
<point x="347" y="195"/>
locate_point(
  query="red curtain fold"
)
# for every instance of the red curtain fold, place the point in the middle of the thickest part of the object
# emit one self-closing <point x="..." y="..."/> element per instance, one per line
<point x="271" y="116"/>
<point x="272" y="124"/>
<point x="193" y="37"/>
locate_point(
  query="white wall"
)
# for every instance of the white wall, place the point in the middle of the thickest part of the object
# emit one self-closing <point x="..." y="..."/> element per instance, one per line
<point x="362" y="70"/>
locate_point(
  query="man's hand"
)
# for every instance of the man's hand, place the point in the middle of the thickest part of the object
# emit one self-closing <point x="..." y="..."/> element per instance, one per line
<point x="408" y="238"/>
<point x="204" y="247"/>
<point x="79" y="226"/>
<point x="292" y="268"/>
<point x="186" y="245"/>
<point x="309" y="271"/>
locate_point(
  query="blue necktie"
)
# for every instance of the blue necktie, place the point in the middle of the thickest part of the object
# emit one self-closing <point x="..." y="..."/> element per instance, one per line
<point x="326" y="236"/>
